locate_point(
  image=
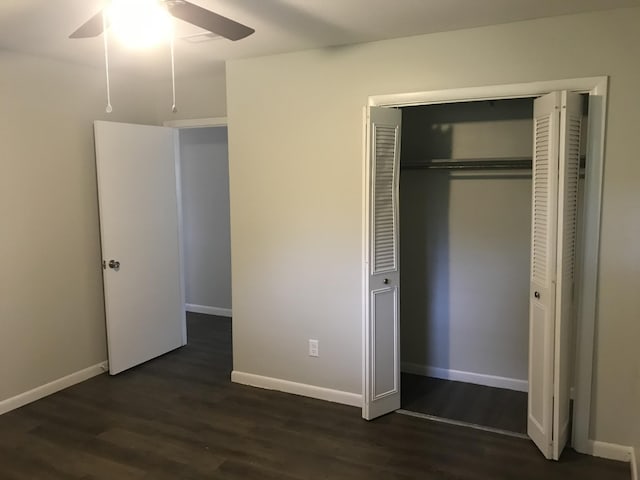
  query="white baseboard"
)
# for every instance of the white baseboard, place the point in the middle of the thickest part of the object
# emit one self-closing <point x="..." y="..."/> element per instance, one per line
<point x="221" y="312"/>
<point x="634" y="464"/>
<point x="321" y="393"/>
<point x="469" y="377"/>
<point x="611" y="451"/>
<point x="52" y="387"/>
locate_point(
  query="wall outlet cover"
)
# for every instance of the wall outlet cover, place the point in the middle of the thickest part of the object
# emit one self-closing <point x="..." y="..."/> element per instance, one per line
<point x="313" y="348"/>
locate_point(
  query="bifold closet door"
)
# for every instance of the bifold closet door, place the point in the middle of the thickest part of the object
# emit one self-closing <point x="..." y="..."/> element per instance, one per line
<point x="556" y="163"/>
<point x="382" y="324"/>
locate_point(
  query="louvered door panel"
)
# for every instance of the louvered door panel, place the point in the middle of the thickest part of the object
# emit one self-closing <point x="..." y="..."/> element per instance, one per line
<point x="382" y="345"/>
<point x="384" y="251"/>
<point x="541" y="199"/>
<point x="571" y="179"/>
<point x="543" y="265"/>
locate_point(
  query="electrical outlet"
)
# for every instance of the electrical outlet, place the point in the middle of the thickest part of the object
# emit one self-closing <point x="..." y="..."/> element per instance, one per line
<point x="313" y="348"/>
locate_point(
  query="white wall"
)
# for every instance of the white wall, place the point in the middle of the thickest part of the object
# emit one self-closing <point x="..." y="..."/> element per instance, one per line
<point x="465" y="240"/>
<point x="51" y="304"/>
<point x="296" y="149"/>
<point x="205" y="207"/>
<point x="200" y="95"/>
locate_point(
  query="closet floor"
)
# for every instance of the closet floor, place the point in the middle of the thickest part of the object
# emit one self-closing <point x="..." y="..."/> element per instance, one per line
<point x="487" y="406"/>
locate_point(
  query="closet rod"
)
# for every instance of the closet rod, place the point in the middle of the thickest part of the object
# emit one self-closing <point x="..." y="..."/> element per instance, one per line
<point x="476" y="164"/>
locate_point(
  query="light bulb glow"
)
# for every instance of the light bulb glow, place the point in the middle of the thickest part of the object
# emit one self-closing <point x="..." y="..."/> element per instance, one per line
<point x="140" y="23"/>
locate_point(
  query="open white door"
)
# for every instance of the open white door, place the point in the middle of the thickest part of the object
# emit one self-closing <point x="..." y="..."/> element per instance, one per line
<point x="139" y="224"/>
<point x="382" y="320"/>
<point x="555" y="181"/>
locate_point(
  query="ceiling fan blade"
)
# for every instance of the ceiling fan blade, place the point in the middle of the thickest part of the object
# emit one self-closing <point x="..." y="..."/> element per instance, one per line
<point x="223" y="26"/>
<point x="91" y="28"/>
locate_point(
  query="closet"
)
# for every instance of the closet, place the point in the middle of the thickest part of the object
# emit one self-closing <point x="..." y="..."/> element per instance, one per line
<point x="472" y="240"/>
<point x="465" y="237"/>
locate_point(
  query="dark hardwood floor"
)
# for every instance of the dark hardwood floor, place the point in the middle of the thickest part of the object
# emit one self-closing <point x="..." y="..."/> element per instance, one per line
<point x="179" y="417"/>
<point x="487" y="406"/>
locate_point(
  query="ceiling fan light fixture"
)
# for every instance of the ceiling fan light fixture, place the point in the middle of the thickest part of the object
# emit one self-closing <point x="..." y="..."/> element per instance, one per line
<point x="140" y="23"/>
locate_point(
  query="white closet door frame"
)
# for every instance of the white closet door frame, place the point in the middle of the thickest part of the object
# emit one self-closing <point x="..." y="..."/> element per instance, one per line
<point x="586" y="285"/>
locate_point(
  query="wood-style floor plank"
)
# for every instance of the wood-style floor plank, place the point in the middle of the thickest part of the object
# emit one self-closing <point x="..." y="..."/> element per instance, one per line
<point x="179" y="417"/>
<point x="496" y="408"/>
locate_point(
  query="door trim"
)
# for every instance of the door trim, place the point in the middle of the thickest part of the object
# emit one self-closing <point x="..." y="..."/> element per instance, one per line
<point x="178" y="174"/>
<point x="587" y="284"/>
<point x="197" y="122"/>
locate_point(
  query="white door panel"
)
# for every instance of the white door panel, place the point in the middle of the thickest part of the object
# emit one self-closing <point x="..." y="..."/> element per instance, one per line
<point x="139" y="223"/>
<point x="382" y="345"/>
<point x="383" y="308"/>
<point x="569" y="169"/>
<point x="543" y="258"/>
<point x="556" y="161"/>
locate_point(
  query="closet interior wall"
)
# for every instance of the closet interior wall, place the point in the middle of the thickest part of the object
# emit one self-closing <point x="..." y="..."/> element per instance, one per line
<point x="465" y="243"/>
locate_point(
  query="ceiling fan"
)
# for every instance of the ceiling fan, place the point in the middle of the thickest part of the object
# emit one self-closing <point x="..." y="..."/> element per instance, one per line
<point x="187" y="11"/>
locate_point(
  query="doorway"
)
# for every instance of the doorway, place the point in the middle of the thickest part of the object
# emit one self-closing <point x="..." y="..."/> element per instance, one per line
<point x="382" y="380"/>
<point x="128" y="158"/>
<point x="465" y="236"/>
<point x="204" y="185"/>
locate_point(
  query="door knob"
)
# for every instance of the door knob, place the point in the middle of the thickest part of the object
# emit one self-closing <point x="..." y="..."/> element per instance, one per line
<point x="385" y="281"/>
<point x="537" y="295"/>
<point x="114" y="264"/>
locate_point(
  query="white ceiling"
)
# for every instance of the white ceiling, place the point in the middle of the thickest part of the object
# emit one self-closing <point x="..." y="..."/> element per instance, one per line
<point x="41" y="27"/>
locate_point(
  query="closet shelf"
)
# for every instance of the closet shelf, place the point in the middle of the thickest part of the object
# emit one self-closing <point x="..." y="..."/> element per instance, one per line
<point x="514" y="163"/>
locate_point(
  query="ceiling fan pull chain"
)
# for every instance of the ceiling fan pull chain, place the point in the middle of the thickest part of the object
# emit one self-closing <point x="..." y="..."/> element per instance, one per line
<point x="173" y="75"/>
<point x="109" y="108"/>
